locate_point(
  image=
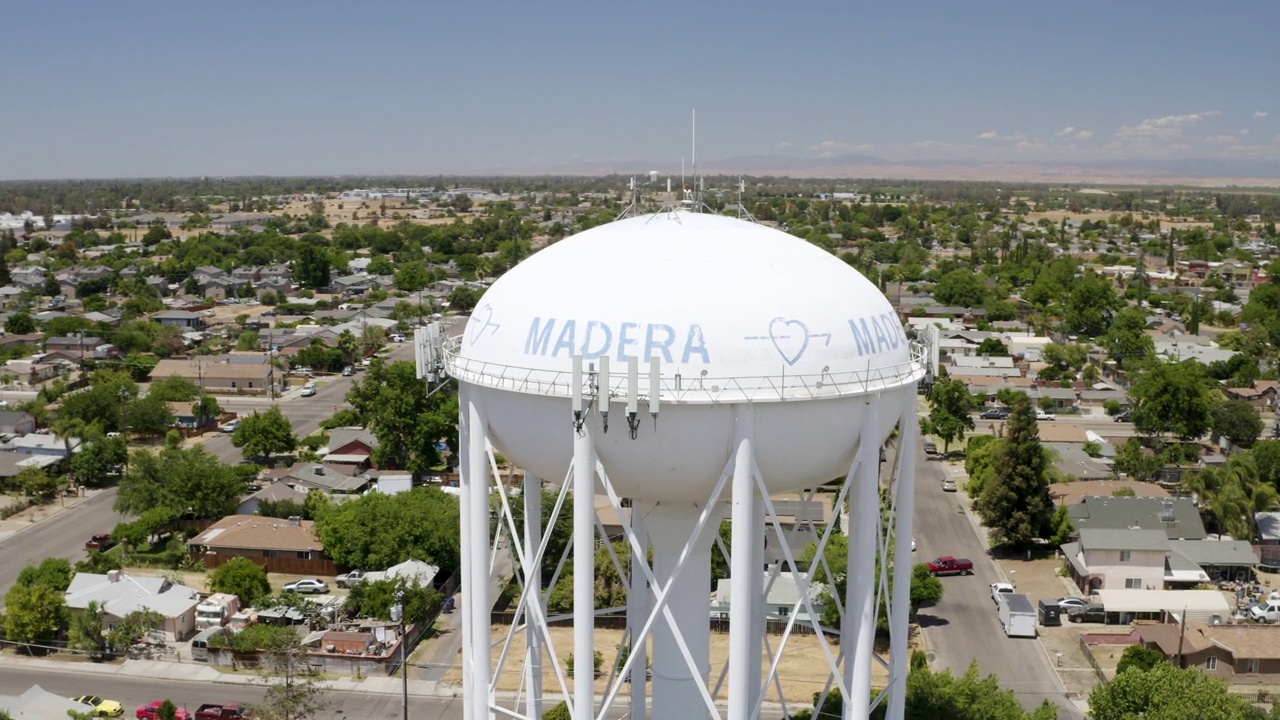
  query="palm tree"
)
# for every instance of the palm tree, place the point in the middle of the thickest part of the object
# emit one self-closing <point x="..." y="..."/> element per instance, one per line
<point x="1233" y="494"/>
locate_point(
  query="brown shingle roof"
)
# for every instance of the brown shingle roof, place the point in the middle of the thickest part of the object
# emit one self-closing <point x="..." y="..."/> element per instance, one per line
<point x="1244" y="642"/>
<point x="261" y="533"/>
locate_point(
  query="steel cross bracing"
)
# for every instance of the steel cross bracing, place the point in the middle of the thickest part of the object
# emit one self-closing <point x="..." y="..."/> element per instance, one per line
<point x="531" y="614"/>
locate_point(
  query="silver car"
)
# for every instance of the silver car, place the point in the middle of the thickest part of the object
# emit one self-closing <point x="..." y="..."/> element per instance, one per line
<point x="308" y="585"/>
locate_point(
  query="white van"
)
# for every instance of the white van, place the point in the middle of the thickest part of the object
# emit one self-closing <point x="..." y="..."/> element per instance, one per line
<point x="200" y="644"/>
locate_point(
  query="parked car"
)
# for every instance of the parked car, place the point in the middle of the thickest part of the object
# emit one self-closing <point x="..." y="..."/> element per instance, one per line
<point x="308" y="390"/>
<point x="347" y="579"/>
<point x="1126" y="416"/>
<point x="397" y="338"/>
<point x="994" y="414"/>
<point x="308" y="585"/>
<point x="1066" y="603"/>
<point x="101" y="541"/>
<point x="1092" y="612"/>
<point x="1266" y="611"/>
<point x="222" y="711"/>
<point x="101" y="707"/>
<point x="948" y="485"/>
<point x="348" y="371"/>
<point x="947" y="565"/>
<point x="930" y="447"/>
<point x="231" y="426"/>
<point x="1000" y="588"/>
<point x="1043" y="416"/>
<point x="151" y="711"/>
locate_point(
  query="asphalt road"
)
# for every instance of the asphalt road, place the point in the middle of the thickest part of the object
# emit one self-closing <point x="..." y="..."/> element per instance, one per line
<point x="62" y="535"/>
<point x="964" y="626"/>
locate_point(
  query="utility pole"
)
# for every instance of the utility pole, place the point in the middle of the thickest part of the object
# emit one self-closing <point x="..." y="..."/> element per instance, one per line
<point x="1182" y="634"/>
<point x="397" y="614"/>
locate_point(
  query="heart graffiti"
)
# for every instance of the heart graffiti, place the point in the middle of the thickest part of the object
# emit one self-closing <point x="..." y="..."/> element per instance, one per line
<point x="790" y="338"/>
<point x="482" y="320"/>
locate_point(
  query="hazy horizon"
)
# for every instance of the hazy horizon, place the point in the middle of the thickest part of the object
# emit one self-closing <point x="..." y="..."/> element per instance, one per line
<point x="130" y="90"/>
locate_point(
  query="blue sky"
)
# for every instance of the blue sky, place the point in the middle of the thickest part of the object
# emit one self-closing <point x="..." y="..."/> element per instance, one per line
<point x="142" y="88"/>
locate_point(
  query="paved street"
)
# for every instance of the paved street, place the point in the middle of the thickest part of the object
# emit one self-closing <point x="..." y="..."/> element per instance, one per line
<point x="62" y="535"/>
<point x="964" y="625"/>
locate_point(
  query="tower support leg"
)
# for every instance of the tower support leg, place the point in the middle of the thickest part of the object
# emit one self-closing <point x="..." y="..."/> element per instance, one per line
<point x="584" y="573"/>
<point x="858" y="633"/>
<point x="744" y="576"/>
<point x="903" y="519"/>
<point x="531" y="495"/>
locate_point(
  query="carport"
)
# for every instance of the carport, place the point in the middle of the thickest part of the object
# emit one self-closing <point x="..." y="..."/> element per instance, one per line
<point x="1125" y="606"/>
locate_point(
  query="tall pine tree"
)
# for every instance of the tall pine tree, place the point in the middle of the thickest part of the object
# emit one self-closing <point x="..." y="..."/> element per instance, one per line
<point x="1015" y="504"/>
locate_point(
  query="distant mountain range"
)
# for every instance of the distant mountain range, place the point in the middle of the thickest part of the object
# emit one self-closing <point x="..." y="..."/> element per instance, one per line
<point x="1192" y="171"/>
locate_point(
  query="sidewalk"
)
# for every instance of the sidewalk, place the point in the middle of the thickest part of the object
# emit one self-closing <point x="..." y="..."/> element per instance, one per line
<point x="33" y="516"/>
<point x="201" y="673"/>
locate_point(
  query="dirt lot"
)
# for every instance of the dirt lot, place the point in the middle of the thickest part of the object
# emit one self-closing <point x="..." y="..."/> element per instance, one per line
<point x="802" y="672"/>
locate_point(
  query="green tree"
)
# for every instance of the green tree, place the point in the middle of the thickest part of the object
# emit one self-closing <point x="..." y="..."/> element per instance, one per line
<point x="1173" y="398"/>
<point x="560" y="711"/>
<point x="412" y="276"/>
<point x="960" y="288"/>
<point x="1237" y="421"/>
<point x="132" y="628"/>
<point x="376" y="531"/>
<point x="950" y="405"/>
<point x="33" y="613"/>
<point x="86" y="630"/>
<point x="52" y="572"/>
<point x="463" y="299"/>
<point x="242" y="577"/>
<point x="993" y="347"/>
<point x="20" y="323"/>
<point x="167" y="710"/>
<point x="173" y="389"/>
<point x="1126" y="341"/>
<point x="1166" y="692"/>
<point x="1132" y="460"/>
<point x="188" y="481"/>
<point x="1266" y="457"/>
<point x="393" y="403"/>
<point x="1089" y="306"/>
<point x="205" y="409"/>
<point x="36" y="483"/>
<point x="147" y="416"/>
<point x="1139" y="657"/>
<point x="264" y="434"/>
<point x="560" y="536"/>
<point x="311" y="267"/>
<point x="1063" y="528"/>
<point x="375" y="599"/>
<point x="1015" y="504"/>
<point x="99" y="459"/>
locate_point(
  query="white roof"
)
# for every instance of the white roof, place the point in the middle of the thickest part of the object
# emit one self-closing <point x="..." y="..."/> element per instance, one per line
<point x="708" y="295"/>
<point x="1146" y="601"/>
<point x="131" y="593"/>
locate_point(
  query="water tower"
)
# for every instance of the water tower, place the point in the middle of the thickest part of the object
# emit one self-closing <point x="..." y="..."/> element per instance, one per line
<point x="686" y="367"/>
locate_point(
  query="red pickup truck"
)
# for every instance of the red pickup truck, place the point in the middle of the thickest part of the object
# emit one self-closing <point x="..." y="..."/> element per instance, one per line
<point x="222" y="711"/>
<point x="948" y="565"/>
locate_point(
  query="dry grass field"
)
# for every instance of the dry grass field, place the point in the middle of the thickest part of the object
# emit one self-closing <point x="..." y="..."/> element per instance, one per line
<point x="802" y="671"/>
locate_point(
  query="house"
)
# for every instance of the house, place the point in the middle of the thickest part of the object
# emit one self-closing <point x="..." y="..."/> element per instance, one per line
<point x="16" y="422"/>
<point x="275" y="492"/>
<point x="120" y="594"/>
<point x="1130" y="559"/>
<point x="1072" y="493"/>
<point x="180" y="319"/>
<point x="46" y="444"/>
<point x="78" y="346"/>
<point x="351" y="446"/>
<point x="9" y="296"/>
<point x="1235" y="654"/>
<point x="221" y="377"/>
<point x="288" y="546"/>
<point x="341" y="480"/>
<point x="36" y="703"/>
<point x="30" y="277"/>
<point x="12" y="464"/>
<point x="1178" y="517"/>
<point x="1262" y="395"/>
<point x="782" y="592"/>
<point x="1217" y="559"/>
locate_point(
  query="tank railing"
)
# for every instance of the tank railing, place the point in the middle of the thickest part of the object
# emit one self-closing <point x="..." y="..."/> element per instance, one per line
<point x="680" y="388"/>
